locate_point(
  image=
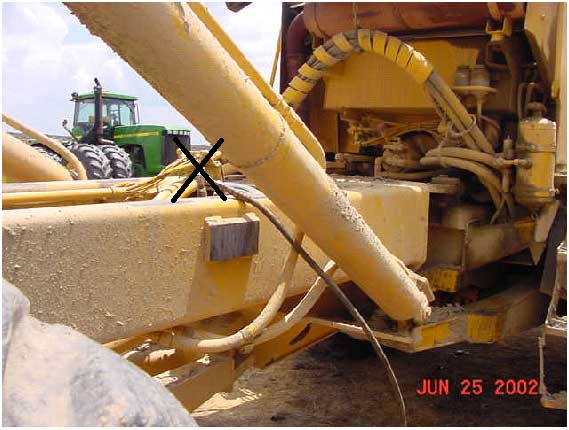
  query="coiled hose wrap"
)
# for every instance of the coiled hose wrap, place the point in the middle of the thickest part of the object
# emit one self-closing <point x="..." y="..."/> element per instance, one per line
<point x="342" y="45"/>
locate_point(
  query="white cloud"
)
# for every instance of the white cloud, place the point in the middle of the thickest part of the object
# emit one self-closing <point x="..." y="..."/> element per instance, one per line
<point x="255" y="30"/>
<point x="47" y="54"/>
<point x="41" y="67"/>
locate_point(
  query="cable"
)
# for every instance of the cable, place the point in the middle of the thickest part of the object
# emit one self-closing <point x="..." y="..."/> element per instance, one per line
<point x="299" y="311"/>
<point x="333" y="286"/>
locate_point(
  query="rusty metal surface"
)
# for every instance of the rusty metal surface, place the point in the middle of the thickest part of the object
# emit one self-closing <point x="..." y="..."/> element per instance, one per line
<point x="476" y="245"/>
<point x="327" y="19"/>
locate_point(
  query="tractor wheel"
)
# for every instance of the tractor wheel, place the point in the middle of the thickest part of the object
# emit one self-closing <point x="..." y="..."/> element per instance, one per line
<point x="121" y="164"/>
<point x="93" y="159"/>
<point x="50" y="154"/>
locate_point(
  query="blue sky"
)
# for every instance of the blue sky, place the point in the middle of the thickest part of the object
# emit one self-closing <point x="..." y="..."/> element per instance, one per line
<point x="47" y="54"/>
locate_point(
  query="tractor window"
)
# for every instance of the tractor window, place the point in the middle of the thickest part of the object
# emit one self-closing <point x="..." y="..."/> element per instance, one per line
<point x="118" y="112"/>
<point x="115" y="112"/>
<point x="84" y="112"/>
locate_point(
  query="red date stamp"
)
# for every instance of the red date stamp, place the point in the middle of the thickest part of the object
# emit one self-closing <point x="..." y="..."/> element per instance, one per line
<point x="477" y="387"/>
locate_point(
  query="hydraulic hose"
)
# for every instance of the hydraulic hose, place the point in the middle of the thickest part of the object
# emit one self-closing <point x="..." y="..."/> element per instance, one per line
<point x="439" y="103"/>
<point x="307" y="302"/>
<point x="248" y="333"/>
<point x="50" y="143"/>
<point x="342" y="45"/>
<point x="466" y="154"/>
<point x="485" y="175"/>
<point x="335" y="289"/>
<point x="325" y="275"/>
<point x="167" y="191"/>
<point x="454" y="106"/>
<point x="300" y="310"/>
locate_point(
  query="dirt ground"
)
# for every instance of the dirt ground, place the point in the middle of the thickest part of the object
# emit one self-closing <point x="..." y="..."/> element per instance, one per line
<point x="339" y="382"/>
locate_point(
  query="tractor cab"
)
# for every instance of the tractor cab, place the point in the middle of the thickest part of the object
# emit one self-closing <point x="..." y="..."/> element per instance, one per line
<point x="109" y="122"/>
<point x="117" y="110"/>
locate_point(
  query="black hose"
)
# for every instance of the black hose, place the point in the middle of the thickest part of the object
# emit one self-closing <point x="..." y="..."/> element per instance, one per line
<point x="335" y="289"/>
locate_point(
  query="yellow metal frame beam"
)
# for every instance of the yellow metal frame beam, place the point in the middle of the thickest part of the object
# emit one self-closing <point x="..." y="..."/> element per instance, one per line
<point x="118" y="270"/>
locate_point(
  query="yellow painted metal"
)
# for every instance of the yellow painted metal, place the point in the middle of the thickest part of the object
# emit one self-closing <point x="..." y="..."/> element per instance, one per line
<point x="257" y="139"/>
<point x="504" y="314"/>
<point x="434" y="335"/>
<point x="443" y="279"/>
<point x="536" y="142"/>
<point x="299" y="337"/>
<point x="155" y="360"/>
<point x="482" y="328"/>
<point x="559" y="90"/>
<point x="276" y="59"/>
<point x="525" y="229"/>
<point x="65" y="193"/>
<point x="22" y="163"/>
<point x="370" y="81"/>
<point x="61" y="198"/>
<point x="477" y="245"/>
<point x="88" y="184"/>
<point x="148" y="262"/>
<point x="293" y="120"/>
<point x="540" y="26"/>
<point x="418" y="68"/>
<point x="195" y="382"/>
<point x="52" y="144"/>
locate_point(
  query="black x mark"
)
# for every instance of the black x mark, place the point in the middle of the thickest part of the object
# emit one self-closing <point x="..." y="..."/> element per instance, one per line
<point x="199" y="170"/>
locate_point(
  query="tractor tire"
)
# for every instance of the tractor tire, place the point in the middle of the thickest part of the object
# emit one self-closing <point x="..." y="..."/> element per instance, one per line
<point x="93" y="159"/>
<point x="50" y="154"/>
<point x="121" y="164"/>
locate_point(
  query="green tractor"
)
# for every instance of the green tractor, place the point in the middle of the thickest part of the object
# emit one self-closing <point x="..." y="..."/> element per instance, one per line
<point x="111" y="143"/>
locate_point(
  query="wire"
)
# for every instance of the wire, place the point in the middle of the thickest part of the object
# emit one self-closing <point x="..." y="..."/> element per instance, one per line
<point x="333" y="286"/>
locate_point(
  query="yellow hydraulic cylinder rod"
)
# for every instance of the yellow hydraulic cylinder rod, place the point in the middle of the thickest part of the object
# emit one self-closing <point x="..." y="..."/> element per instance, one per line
<point x="50" y="143"/>
<point x="68" y="185"/>
<point x="172" y="49"/>
<point x="22" y="163"/>
<point x="47" y="198"/>
<point x="276" y="59"/>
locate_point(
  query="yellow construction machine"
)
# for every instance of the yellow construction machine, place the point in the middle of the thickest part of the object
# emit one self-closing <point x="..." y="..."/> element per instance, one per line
<point x="410" y="172"/>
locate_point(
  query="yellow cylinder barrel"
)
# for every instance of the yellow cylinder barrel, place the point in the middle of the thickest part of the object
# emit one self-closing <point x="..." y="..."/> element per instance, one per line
<point x="536" y="143"/>
<point x="172" y="49"/>
<point x="22" y="163"/>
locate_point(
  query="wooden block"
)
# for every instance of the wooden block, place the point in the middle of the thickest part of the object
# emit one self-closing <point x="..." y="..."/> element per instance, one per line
<point x="229" y="238"/>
